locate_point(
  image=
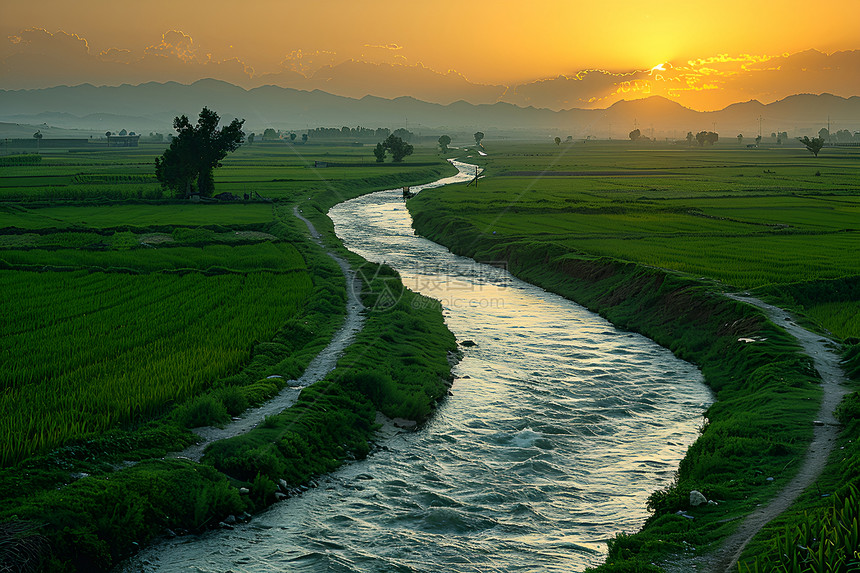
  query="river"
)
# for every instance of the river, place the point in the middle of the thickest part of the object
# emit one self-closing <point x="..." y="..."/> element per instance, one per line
<point x="558" y="428"/>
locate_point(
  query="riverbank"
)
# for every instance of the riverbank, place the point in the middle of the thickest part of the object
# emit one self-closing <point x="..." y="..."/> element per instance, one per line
<point x="767" y="390"/>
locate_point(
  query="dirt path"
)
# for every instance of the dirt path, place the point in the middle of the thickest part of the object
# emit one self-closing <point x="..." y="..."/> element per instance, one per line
<point x="321" y="365"/>
<point x="826" y="361"/>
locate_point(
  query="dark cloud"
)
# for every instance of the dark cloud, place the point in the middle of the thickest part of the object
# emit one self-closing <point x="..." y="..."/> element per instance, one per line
<point x="38" y="58"/>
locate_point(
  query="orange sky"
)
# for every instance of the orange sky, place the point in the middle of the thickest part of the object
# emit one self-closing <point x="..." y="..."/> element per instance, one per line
<point x="501" y="42"/>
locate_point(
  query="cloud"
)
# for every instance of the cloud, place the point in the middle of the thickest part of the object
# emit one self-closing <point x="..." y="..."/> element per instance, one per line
<point x="117" y="55"/>
<point x="393" y="47"/>
<point x="306" y="63"/>
<point x="38" y="41"/>
<point x="706" y="83"/>
<point x="176" y="44"/>
<point x="587" y="88"/>
<point x="37" y="58"/>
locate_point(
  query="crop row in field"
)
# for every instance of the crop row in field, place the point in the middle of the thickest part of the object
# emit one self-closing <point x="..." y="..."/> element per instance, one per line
<point x="110" y="216"/>
<point x="271" y="257"/>
<point x="741" y="262"/>
<point x="86" y="351"/>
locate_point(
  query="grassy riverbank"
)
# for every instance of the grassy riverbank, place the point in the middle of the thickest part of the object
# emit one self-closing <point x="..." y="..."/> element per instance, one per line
<point x="649" y="238"/>
<point x="135" y="318"/>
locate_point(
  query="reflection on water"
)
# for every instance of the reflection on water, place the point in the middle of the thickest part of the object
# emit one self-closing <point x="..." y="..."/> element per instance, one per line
<point x="558" y="428"/>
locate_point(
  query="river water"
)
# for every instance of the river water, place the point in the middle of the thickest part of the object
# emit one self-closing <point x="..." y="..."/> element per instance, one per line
<point x="558" y="428"/>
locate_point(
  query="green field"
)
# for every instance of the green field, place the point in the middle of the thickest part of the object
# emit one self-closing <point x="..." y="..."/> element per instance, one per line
<point x="274" y="172"/>
<point x="746" y="218"/>
<point x="89" y="351"/>
<point x="130" y="316"/>
<point x="121" y="301"/>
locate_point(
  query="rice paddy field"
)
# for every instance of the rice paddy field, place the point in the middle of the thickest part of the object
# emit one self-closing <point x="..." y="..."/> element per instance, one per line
<point x="748" y="218"/>
<point x="120" y="301"/>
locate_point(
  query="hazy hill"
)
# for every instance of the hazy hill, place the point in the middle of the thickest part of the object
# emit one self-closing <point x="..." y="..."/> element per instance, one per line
<point x="357" y="79"/>
<point x="152" y="106"/>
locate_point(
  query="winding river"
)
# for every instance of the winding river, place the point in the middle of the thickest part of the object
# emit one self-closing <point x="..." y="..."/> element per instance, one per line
<point x="558" y="428"/>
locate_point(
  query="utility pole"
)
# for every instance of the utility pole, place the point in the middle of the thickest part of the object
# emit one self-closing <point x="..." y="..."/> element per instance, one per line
<point x="759" y="125"/>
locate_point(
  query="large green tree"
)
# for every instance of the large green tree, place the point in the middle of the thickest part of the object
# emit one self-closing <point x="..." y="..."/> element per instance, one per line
<point x="814" y="145"/>
<point x="398" y="148"/>
<point x="444" y="142"/>
<point x="186" y="166"/>
<point x="708" y="137"/>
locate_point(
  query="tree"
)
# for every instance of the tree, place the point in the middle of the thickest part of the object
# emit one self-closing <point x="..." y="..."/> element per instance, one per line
<point x="557" y="141"/>
<point x="292" y="136"/>
<point x="270" y="133"/>
<point x="304" y="138"/>
<point x="690" y="138"/>
<point x="251" y="137"/>
<point x="634" y="135"/>
<point x="38" y="137"/>
<point x="398" y="148"/>
<point x="823" y="134"/>
<point x="196" y="151"/>
<point x="814" y="145"/>
<point x="757" y="139"/>
<point x="708" y="137"/>
<point x="569" y="139"/>
<point x="444" y="141"/>
<point x="123" y="132"/>
<point x="740" y="139"/>
<point x="379" y="152"/>
<point x="479" y="135"/>
<point x="403" y="134"/>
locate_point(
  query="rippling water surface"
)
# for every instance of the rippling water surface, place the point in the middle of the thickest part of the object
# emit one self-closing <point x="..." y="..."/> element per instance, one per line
<point x="558" y="428"/>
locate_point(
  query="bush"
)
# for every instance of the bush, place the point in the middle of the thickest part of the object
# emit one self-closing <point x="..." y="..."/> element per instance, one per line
<point x="202" y="411"/>
<point x="263" y="490"/>
<point x="849" y="409"/>
<point x="233" y="399"/>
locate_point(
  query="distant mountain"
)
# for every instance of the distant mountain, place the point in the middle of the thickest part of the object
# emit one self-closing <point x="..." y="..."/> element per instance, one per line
<point x="152" y="106"/>
<point x="357" y="79"/>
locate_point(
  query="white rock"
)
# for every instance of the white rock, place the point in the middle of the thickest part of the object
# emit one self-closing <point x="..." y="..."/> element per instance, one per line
<point x="697" y="499"/>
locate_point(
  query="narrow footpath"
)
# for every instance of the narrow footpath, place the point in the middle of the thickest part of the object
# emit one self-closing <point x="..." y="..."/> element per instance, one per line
<point x="826" y="429"/>
<point x="322" y="364"/>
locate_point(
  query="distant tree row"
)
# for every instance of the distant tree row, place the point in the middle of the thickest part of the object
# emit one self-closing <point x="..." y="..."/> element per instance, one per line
<point x="348" y="132"/>
<point x="840" y="136"/>
<point x="121" y="133"/>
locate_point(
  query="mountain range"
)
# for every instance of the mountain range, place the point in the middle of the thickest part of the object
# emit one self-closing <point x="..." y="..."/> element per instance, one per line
<point x="152" y="106"/>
